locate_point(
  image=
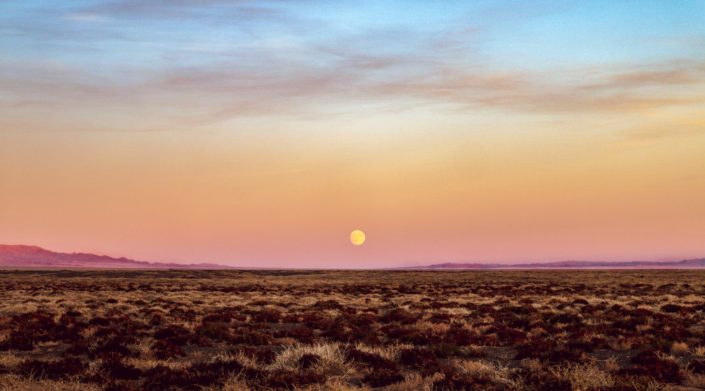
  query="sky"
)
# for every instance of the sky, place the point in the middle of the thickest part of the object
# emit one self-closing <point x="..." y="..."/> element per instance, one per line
<point x="261" y="133"/>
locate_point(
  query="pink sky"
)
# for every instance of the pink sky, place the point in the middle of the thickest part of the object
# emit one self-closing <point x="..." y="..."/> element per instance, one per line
<point x="471" y="133"/>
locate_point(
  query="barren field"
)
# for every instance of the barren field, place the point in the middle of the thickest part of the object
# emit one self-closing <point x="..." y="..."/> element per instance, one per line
<point x="343" y="330"/>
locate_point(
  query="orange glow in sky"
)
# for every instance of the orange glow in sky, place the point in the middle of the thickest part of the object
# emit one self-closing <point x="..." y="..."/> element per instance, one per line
<point x="263" y="143"/>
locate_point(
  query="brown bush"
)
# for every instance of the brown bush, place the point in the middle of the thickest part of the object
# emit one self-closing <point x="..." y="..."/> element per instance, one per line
<point x="380" y="377"/>
<point x="56" y="369"/>
<point x="647" y="363"/>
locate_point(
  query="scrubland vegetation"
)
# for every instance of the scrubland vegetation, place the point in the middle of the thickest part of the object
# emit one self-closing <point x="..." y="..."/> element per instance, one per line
<point x="344" y="330"/>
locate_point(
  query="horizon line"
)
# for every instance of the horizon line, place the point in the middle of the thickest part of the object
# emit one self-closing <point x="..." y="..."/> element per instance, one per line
<point x="435" y="265"/>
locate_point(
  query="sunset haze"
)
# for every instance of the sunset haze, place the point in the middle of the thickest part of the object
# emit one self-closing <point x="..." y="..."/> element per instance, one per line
<point x="261" y="134"/>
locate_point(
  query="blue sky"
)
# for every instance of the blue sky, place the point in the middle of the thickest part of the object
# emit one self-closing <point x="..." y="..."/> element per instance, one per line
<point x="258" y="131"/>
<point x="516" y="34"/>
<point x="366" y="45"/>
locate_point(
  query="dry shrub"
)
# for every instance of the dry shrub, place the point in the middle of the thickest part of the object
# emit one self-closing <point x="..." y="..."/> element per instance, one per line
<point x="610" y="365"/>
<point x="650" y="364"/>
<point x="331" y="360"/>
<point x="54" y="369"/>
<point x="531" y="364"/>
<point x="282" y="379"/>
<point x="308" y="360"/>
<point x="234" y="383"/>
<point x="496" y="373"/>
<point x="420" y="359"/>
<point x="380" y="377"/>
<point x="9" y="360"/>
<point x="699" y="351"/>
<point x="17" y="383"/>
<point x="584" y="377"/>
<point x="389" y="352"/>
<point x="414" y="382"/>
<point x="680" y="348"/>
<point x="695" y="380"/>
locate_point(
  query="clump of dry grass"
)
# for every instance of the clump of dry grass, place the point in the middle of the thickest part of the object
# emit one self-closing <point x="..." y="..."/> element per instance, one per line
<point x="390" y="352"/>
<point x="695" y="380"/>
<point x="610" y="365"/>
<point x="699" y="351"/>
<point x="584" y="377"/>
<point x="414" y="382"/>
<point x="496" y="373"/>
<point x="531" y="364"/>
<point x="680" y="348"/>
<point x="9" y="359"/>
<point x="232" y="384"/>
<point x="331" y="360"/>
<point x="17" y="383"/>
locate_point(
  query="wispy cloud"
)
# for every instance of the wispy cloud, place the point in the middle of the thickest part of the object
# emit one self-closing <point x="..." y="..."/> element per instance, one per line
<point x="209" y="10"/>
<point x="225" y="89"/>
<point x="289" y="72"/>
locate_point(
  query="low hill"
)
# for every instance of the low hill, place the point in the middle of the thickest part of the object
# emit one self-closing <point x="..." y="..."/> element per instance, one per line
<point x="684" y="264"/>
<point x="22" y="256"/>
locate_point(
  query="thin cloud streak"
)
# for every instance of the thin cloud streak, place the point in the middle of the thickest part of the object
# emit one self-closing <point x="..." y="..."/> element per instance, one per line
<point x="289" y="73"/>
<point x="222" y="91"/>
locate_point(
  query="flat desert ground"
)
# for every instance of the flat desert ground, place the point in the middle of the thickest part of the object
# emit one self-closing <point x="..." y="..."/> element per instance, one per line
<point x="352" y="330"/>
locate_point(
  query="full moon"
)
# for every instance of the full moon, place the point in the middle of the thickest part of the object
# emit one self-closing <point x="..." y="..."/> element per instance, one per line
<point x="357" y="237"/>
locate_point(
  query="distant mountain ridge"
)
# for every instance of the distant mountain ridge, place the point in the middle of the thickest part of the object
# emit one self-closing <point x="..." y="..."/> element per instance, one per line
<point x="683" y="264"/>
<point x="23" y="256"/>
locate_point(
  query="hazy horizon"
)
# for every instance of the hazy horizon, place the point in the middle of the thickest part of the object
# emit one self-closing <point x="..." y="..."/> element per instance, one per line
<point x="284" y="264"/>
<point x="262" y="134"/>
